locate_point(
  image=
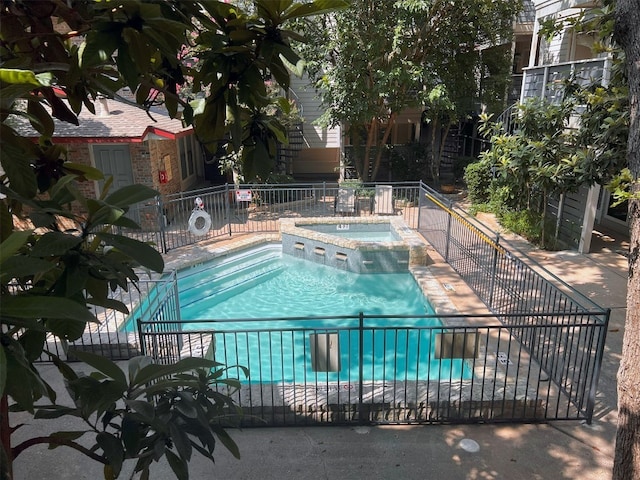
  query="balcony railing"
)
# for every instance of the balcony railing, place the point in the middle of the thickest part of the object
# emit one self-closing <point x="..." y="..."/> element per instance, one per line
<point x="547" y="81"/>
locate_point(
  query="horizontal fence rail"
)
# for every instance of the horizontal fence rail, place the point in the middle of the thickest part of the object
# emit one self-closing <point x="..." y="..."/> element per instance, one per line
<point x="390" y="369"/>
<point x="258" y="208"/>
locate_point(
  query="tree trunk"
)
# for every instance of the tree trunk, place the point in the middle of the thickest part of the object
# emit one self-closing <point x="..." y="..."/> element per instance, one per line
<point x="444" y="133"/>
<point x="366" y="161"/>
<point x="380" y="148"/>
<point x="435" y="125"/>
<point x="627" y="454"/>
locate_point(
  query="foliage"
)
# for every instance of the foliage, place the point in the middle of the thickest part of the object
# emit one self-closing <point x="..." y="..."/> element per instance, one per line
<point x="547" y="155"/>
<point x="438" y="114"/>
<point x="378" y="58"/>
<point x="477" y="177"/>
<point x="408" y="162"/>
<point x="528" y="224"/>
<point x="56" y="60"/>
<point x="147" y="413"/>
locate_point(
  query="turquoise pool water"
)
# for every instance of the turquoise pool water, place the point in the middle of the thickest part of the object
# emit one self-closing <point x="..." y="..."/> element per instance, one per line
<point x="262" y="283"/>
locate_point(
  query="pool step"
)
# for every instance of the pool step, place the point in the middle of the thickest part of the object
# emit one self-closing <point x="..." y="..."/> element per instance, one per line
<point x="225" y="290"/>
<point x="228" y="285"/>
<point x="205" y="274"/>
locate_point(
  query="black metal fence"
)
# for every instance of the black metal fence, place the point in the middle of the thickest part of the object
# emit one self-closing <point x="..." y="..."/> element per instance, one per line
<point x="352" y="370"/>
<point x="537" y="357"/>
<point x="510" y="283"/>
<point x="169" y="222"/>
<point x="115" y="335"/>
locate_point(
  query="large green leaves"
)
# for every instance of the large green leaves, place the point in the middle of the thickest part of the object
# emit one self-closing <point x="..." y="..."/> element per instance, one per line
<point x="141" y="252"/>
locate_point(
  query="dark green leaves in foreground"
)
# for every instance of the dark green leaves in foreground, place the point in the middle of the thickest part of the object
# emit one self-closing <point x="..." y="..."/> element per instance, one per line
<point x="148" y="412"/>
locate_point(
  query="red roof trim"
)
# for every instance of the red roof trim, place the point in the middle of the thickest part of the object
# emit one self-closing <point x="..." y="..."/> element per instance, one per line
<point x="97" y="139"/>
<point x="159" y="132"/>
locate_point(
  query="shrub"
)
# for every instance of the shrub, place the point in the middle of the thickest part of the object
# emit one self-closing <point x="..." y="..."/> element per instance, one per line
<point x="478" y="178"/>
<point x="528" y="224"/>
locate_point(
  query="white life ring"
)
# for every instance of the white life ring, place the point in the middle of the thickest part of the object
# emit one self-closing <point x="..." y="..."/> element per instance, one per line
<point x="199" y="217"/>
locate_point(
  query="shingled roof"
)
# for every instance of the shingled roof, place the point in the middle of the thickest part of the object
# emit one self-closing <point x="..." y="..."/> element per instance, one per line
<point x="114" y="121"/>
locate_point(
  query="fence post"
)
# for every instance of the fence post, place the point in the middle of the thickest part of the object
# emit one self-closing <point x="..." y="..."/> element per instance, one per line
<point x="227" y="206"/>
<point x="494" y="271"/>
<point x="162" y="224"/>
<point x="360" y="368"/>
<point x="420" y="194"/>
<point x="597" y="366"/>
<point x="448" y="241"/>
<point x="324" y="192"/>
<point x="143" y="350"/>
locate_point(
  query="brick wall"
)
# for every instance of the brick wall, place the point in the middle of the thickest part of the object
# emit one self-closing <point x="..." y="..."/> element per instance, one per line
<point x="158" y="150"/>
<point x="80" y="153"/>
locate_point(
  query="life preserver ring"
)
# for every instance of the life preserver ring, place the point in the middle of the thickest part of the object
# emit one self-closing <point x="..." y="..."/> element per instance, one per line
<point x="199" y="222"/>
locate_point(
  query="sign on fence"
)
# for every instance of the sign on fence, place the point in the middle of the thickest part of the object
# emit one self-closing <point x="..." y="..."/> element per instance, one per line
<point x="243" y="195"/>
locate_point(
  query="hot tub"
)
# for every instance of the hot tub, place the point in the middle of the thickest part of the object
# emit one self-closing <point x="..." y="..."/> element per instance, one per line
<point x="361" y="245"/>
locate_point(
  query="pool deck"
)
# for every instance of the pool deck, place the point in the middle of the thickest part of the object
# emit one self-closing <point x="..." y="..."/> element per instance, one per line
<point x="557" y="450"/>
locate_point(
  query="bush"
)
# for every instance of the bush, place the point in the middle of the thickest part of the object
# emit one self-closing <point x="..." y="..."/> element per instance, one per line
<point x="478" y="178"/>
<point x="528" y="224"/>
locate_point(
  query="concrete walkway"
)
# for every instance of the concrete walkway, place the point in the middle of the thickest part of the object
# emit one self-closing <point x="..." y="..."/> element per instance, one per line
<point x="560" y="450"/>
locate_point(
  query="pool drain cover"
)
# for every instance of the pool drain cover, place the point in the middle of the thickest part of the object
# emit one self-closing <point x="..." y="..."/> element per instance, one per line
<point x="469" y="445"/>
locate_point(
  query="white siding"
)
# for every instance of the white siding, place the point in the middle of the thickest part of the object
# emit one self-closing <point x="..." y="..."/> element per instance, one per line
<point x="314" y="136"/>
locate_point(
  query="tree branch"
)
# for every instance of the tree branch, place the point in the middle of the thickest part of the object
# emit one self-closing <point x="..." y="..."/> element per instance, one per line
<point x="50" y="440"/>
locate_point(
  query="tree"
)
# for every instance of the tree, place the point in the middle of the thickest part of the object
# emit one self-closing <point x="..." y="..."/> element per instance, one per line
<point x="627" y="453"/>
<point x="378" y="58"/>
<point x="56" y="58"/>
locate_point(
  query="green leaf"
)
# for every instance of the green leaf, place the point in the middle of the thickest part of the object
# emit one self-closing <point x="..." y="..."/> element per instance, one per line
<point x="17" y="153"/>
<point x="145" y="409"/>
<point x="186" y="405"/>
<point x="127" y="67"/>
<point x="65" y="435"/>
<point x="104" y="365"/>
<point x="141" y="252"/>
<point x="33" y="342"/>
<point x="228" y="442"/>
<point x="178" y="465"/>
<point x="55" y="244"/>
<point x="20" y="266"/>
<point x="136" y="364"/>
<point x="126" y="222"/>
<point x="318" y="7"/>
<point x="180" y="440"/>
<point x="87" y="171"/>
<point x="42" y="306"/>
<point x="101" y="213"/>
<point x="109" y="303"/>
<point x="12" y="75"/>
<point x="70" y="330"/>
<point x="130" y="195"/>
<point x="13" y="243"/>
<point x="23" y="382"/>
<point x="130" y="435"/>
<point x="54" y="411"/>
<point x="40" y="118"/>
<point x="154" y="371"/>
<point x="112" y="449"/>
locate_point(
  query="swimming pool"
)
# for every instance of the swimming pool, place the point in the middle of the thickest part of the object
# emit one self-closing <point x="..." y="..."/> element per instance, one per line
<point x="244" y="297"/>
